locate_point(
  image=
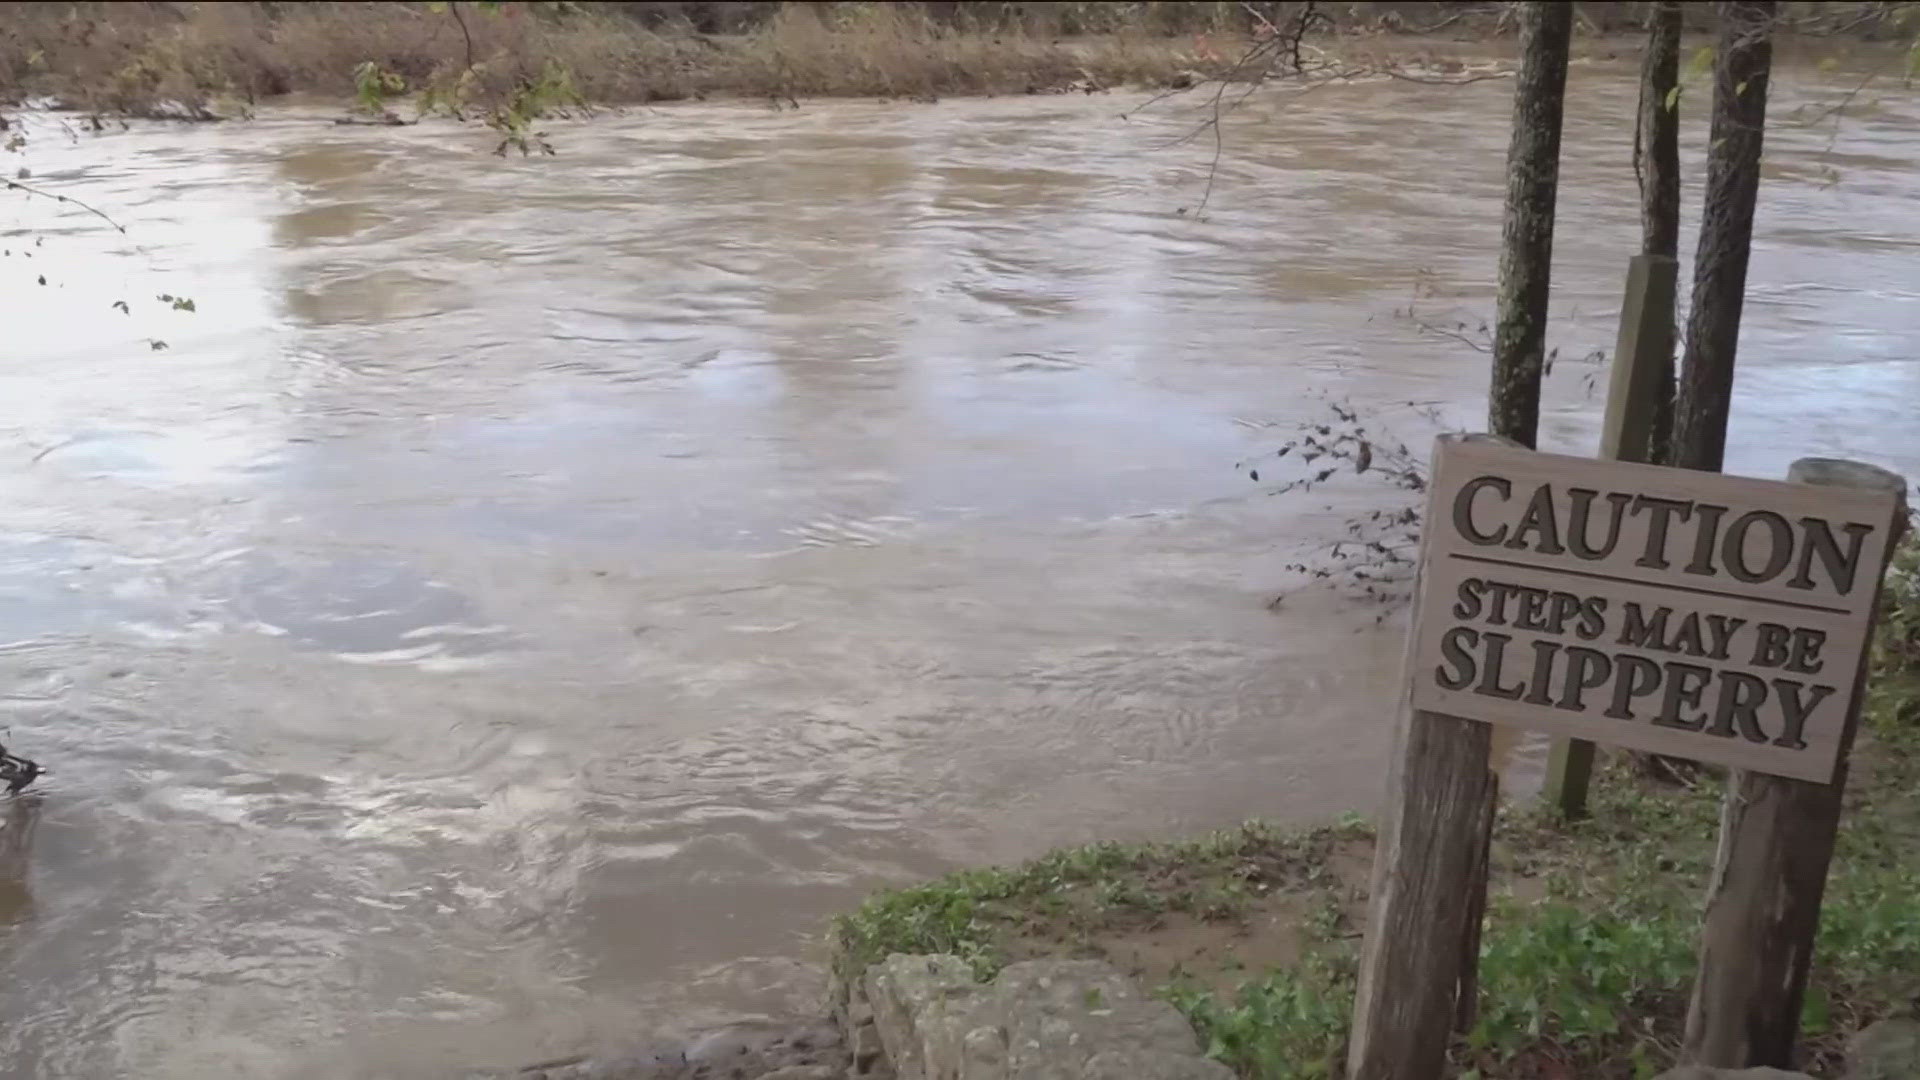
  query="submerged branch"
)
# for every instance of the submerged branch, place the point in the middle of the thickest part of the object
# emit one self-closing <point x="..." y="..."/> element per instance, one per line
<point x="15" y="185"/>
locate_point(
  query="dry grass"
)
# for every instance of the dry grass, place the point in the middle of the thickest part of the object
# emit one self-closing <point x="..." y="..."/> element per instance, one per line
<point x="199" y="59"/>
<point x="205" y="59"/>
<point x="133" y="57"/>
<point x="889" y="51"/>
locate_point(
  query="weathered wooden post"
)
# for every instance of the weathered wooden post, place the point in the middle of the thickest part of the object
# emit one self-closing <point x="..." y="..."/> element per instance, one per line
<point x="1636" y="392"/>
<point x="1429" y="881"/>
<point x="1703" y="616"/>
<point x="1776" y="841"/>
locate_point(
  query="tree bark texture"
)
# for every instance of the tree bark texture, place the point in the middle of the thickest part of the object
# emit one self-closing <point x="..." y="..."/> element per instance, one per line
<point x="1742" y="60"/>
<point x="1418" y="982"/>
<point x="1657" y="164"/>
<point x="1418" y="975"/>
<point x="1526" y="253"/>
<point x="1657" y="150"/>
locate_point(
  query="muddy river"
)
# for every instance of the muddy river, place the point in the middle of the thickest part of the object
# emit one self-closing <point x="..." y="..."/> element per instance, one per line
<point x="526" y="598"/>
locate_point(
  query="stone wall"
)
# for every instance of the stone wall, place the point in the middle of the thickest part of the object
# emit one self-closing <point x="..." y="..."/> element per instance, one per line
<point x="926" y="1018"/>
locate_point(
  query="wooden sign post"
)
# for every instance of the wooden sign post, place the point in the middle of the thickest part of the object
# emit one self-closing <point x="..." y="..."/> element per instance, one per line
<point x="1642" y="364"/>
<point x="1692" y="614"/>
<point x="1770" y="873"/>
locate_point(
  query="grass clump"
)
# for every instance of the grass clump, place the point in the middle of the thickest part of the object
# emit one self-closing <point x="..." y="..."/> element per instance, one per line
<point x="1073" y="895"/>
<point x="1287" y="1022"/>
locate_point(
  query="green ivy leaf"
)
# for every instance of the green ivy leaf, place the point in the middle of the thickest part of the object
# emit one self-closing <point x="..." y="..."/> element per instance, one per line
<point x="1701" y="63"/>
<point x="1816" y="1015"/>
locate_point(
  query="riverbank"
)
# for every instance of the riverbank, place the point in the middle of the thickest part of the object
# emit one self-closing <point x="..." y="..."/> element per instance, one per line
<point x="1589" y="947"/>
<point x="217" y="60"/>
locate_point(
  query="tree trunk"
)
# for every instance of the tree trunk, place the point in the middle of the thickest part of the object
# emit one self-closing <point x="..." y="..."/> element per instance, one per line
<point x="1526" y="254"/>
<point x="1742" y="61"/>
<point x="1656" y="159"/>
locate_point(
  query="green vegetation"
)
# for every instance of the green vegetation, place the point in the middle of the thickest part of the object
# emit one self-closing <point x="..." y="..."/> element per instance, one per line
<point x="1588" y="951"/>
<point x="1072" y="897"/>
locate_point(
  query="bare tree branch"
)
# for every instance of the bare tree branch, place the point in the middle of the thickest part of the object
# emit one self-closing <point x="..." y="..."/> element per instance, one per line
<point x="454" y="6"/>
<point x="15" y="185"/>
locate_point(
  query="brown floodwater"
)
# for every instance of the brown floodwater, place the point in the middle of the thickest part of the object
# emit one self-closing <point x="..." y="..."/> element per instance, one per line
<point x="527" y="598"/>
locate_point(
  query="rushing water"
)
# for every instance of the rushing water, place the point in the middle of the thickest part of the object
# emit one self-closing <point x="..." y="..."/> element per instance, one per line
<point x="527" y="598"/>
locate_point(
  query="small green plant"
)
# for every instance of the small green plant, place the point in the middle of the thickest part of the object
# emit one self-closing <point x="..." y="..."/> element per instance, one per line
<point x="1897" y="644"/>
<point x="513" y="112"/>
<point x="508" y="101"/>
<point x="374" y="86"/>
<point x="1289" y="1024"/>
<point x="1559" y="978"/>
<point x="553" y="93"/>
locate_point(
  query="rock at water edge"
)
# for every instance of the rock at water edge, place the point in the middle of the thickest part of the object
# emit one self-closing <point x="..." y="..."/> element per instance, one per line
<point x="1888" y="1050"/>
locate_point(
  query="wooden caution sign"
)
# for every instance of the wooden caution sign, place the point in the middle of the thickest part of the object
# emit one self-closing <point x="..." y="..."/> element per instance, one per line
<point x="1686" y="613"/>
<point x="1691" y="614"/>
